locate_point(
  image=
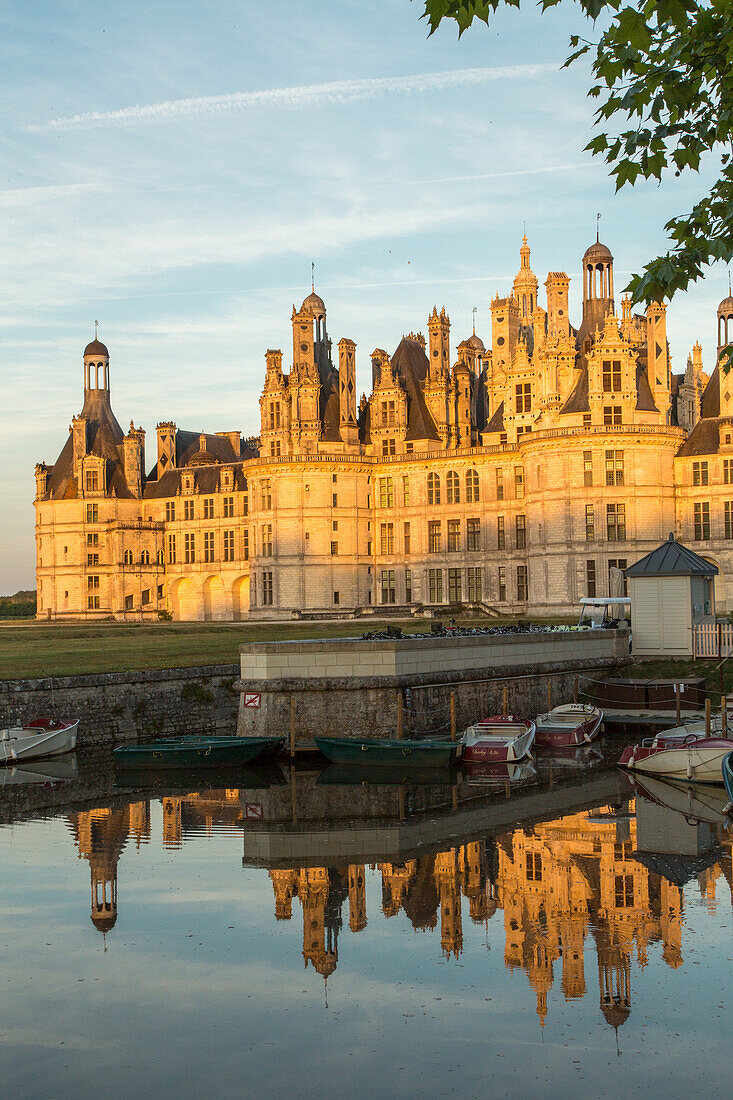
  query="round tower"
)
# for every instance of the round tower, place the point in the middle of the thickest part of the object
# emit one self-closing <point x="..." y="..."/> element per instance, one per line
<point x="96" y="367"/>
<point x="597" y="289"/>
<point x="525" y="284"/>
<point x="725" y="323"/>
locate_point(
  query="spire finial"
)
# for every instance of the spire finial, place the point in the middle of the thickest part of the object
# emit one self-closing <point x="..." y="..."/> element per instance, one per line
<point x="474" y="311"/>
<point x="598" y="228"/>
<point x="96" y="329"/>
<point x="313" y="276"/>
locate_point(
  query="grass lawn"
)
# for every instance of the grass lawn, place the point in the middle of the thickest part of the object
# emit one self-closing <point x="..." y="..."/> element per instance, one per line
<point x="32" y="649"/>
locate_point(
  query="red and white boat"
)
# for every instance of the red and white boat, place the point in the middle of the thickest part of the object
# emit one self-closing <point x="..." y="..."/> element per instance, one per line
<point x="39" y="738"/>
<point x="496" y="775"/>
<point x="502" y="738"/>
<point x="679" y="754"/>
<point x="570" y="724"/>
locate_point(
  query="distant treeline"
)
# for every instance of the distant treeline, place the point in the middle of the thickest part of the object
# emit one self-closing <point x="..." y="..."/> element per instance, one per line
<point x="20" y="606"/>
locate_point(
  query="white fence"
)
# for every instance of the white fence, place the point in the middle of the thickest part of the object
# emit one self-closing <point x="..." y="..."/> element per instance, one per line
<point x="713" y="640"/>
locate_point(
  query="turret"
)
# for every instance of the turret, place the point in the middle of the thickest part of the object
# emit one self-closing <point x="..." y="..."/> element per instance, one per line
<point x="166" y="433"/>
<point x="597" y="290"/>
<point x="658" y="357"/>
<point x="348" y="427"/>
<point x="439" y="335"/>
<point x="525" y="285"/>
<point x="134" y="452"/>
<point x="558" y="314"/>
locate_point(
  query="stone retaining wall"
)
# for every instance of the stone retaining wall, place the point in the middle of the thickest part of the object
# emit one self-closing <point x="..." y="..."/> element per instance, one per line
<point x="126" y="706"/>
<point x="357" y="688"/>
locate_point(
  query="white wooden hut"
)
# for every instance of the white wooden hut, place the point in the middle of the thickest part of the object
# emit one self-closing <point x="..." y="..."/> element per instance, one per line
<point x="672" y="591"/>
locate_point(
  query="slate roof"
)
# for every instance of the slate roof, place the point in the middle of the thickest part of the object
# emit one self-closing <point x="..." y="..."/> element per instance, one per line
<point x="104" y="439"/>
<point x="644" y="398"/>
<point x="411" y="364"/>
<point x="672" y="559"/>
<point x="711" y="396"/>
<point x="704" y="439"/>
<point x="496" y="424"/>
<point x="207" y="481"/>
<point x="577" y="402"/>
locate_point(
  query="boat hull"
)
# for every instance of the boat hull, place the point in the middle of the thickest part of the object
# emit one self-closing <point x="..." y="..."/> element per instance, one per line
<point x="727" y="773"/>
<point x="562" y="735"/>
<point x="211" y="752"/>
<point x="698" y="760"/>
<point x="502" y="739"/>
<point x="37" y="740"/>
<point x="403" y="753"/>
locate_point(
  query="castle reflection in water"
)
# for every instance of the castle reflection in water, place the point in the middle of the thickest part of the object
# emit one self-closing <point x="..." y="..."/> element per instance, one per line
<point x="556" y="883"/>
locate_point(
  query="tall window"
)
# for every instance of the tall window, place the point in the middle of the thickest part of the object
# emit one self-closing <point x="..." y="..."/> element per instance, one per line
<point x="699" y="473"/>
<point x="208" y="545"/>
<point x="518" y="482"/>
<point x="433" y="489"/>
<point x="188" y="509"/>
<point x="228" y="507"/>
<point x="92" y="513"/>
<point x="208" y="507"/>
<point x="502" y="584"/>
<point x="389" y="447"/>
<point x="523" y="396"/>
<point x="587" y="468"/>
<point x="93" y="539"/>
<point x="92" y="481"/>
<point x="454" y="535"/>
<point x="473" y="534"/>
<point x="388" y="414"/>
<point x="435" y="585"/>
<point x="617" y="563"/>
<point x="267" y="588"/>
<point x="170" y="511"/>
<point x="729" y="519"/>
<point x="267" y="540"/>
<point x="127" y="557"/>
<point x="452" y="488"/>
<point x="702" y="520"/>
<point x="727" y="471"/>
<point x="171" y="549"/>
<point x="245" y="501"/>
<point x="624" y="891"/>
<point x="189" y="549"/>
<point x="616" y="522"/>
<point x="454" y="586"/>
<point x="533" y="864"/>
<point x="611" y="375"/>
<point x="406" y="535"/>
<point x="614" y="467"/>
<point x="408" y="586"/>
<point x="434" y="537"/>
<point x="522" y="583"/>
<point x="274" y="415"/>
<point x="386" y="492"/>
<point x="500" y="533"/>
<point x="611" y="415"/>
<point x="590" y="523"/>
<point x="93" y="603"/>
<point x="275" y="448"/>
<point x="475" y="594"/>
<point x="472" y="489"/>
<point x="590" y="577"/>
<point x="228" y="546"/>
<point x="406" y="490"/>
<point x="335" y="549"/>
<point x="521" y="532"/>
<point x="265" y="498"/>
<point x="499" y="484"/>
<point x="388" y="586"/>
<point x="245" y="543"/>
<point x="387" y="539"/>
<point x="92" y="559"/>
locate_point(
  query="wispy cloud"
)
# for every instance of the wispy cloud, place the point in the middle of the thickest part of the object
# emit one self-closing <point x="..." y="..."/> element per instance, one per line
<point x="335" y="92"/>
<point x="502" y="175"/>
<point x="30" y="196"/>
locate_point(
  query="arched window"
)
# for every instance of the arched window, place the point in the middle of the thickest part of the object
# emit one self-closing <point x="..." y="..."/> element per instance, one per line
<point x="472" y="494"/>
<point x="160" y="557"/>
<point x="433" y="489"/>
<point x="453" y="488"/>
<point x="145" y="557"/>
<point x="524" y="305"/>
<point x="128" y="557"/>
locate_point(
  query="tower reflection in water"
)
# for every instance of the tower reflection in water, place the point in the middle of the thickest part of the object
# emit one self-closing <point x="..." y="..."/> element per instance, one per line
<point x="557" y="883"/>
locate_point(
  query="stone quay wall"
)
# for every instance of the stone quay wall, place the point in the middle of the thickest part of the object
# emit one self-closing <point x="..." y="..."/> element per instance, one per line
<point x="127" y="706"/>
<point x="358" y="688"/>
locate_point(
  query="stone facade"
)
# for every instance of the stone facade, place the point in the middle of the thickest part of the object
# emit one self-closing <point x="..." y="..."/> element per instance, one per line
<point x="514" y="479"/>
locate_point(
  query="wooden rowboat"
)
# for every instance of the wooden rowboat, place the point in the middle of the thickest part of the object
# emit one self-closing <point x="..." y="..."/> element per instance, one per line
<point x="503" y="738"/>
<point x="37" y="739"/>
<point x="418" y="754"/>
<point x="197" y="752"/>
<point x="570" y="724"/>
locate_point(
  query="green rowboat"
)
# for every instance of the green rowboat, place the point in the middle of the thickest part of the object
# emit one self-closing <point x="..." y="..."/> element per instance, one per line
<point x="405" y="753"/>
<point x="197" y="752"/>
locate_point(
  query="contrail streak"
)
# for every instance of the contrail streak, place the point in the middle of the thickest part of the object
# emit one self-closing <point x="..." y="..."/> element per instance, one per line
<point x="336" y="92"/>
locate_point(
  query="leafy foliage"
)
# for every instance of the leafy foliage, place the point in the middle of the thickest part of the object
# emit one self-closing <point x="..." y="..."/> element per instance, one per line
<point x="663" y="76"/>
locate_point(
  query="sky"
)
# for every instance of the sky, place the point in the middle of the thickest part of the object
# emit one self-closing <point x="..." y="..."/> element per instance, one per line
<point x="173" y="169"/>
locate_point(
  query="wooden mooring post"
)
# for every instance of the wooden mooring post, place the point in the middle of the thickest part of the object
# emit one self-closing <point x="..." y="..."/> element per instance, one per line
<point x="453" y="716"/>
<point x="707" y="716"/>
<point x="549" y="696"/>
<point x="292" y="725"/>
<point x="575" y="690"/>
<point x="505" y="701"/>
<point x="677" y="703"/>
<point x="723" y="716"/>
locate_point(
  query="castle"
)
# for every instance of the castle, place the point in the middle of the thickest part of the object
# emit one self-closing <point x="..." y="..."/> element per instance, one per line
<point x="513" y="478"/>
